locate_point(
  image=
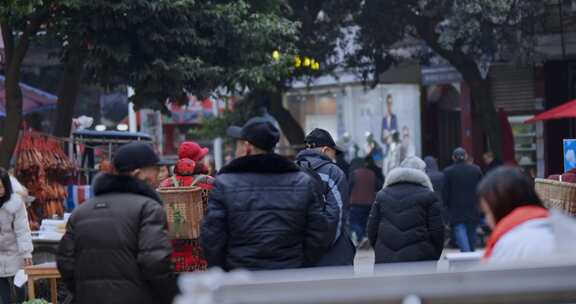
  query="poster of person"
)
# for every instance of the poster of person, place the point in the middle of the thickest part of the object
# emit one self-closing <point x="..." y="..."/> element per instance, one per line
<point x="569" y="154"/>
<point x="387" y="121"/>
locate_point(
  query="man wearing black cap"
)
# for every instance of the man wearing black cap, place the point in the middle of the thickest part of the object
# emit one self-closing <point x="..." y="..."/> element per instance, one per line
<point x="320" y="156"/>
<point x="459" y="194"/>
<point x="264" y="212"/>
<point x="116" y="248"/>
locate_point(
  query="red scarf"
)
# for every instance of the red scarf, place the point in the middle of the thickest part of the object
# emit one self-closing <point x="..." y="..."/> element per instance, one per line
<point x="516" y="218"/>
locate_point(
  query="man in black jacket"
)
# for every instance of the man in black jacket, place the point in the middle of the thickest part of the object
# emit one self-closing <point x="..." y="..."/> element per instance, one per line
<point x="459" y="194"/>
<point x="320" y="156"/>
<point x="264" y="211"/>
<point x="116" y="248"/>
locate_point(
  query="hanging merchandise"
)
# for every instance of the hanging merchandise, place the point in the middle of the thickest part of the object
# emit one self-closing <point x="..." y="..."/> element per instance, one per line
<point x="43" y="168"/>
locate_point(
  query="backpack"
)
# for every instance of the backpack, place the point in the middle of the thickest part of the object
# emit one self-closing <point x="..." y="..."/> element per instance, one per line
<point x="321" y="186"/>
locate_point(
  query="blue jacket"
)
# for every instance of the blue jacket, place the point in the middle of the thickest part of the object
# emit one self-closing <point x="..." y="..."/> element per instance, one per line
<point x="337" y="206"/>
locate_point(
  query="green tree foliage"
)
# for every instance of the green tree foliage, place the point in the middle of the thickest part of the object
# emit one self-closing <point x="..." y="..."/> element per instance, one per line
<point x="20" y="21"/>
<point x="165" y="49"/>
<point x="320" y="32"/>
<point x="462" y="32"/>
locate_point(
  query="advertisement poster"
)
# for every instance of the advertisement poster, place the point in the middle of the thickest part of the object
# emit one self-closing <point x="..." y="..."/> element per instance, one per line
<point x="386" y="123"/>
<point x="569" y="154"/>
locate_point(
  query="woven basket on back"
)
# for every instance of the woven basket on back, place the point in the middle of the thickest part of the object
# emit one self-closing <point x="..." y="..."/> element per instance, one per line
<point x="557" y="195"/>
<point x="185" y="208"/>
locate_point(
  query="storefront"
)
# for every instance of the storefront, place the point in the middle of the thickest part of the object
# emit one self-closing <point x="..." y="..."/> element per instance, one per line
<point x="449" y="119"/>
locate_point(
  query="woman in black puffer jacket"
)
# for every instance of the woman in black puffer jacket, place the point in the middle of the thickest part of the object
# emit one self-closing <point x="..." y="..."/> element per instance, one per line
<point x="405" y="223"/>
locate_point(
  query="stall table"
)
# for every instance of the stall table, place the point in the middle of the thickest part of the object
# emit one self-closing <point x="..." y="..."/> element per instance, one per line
<point x="47" y="271"/>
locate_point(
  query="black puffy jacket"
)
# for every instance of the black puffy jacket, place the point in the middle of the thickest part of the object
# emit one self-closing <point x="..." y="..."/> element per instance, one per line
<point x="405" y="223"/>
<point x="116" y="248"/>
<point x="264" y="213"/>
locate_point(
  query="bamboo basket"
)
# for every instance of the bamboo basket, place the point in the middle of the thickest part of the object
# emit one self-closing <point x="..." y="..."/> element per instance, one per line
<point x="557" y="195"/>
<point x="185" y="207"/>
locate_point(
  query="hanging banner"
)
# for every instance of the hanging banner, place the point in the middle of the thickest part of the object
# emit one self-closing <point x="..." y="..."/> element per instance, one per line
<point x="194" y="112"/>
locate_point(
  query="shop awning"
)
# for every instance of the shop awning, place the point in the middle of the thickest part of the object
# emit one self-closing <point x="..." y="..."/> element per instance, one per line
<point x="567" y="110"/>
<point x="34" y="100"/>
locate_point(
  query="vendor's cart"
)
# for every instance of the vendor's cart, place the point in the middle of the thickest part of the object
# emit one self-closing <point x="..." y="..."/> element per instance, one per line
<point x="84" y="143"/>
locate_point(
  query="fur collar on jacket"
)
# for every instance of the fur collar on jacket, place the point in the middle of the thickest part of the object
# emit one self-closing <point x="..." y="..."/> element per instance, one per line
<point x="266" y="163"/>
<point x="408" y="175"/>
<point x="108" y="183"/>
<point x="13" y="204"/>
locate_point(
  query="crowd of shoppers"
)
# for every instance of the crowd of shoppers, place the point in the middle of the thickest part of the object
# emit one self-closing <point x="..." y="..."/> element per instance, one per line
<point x="266" y="212"/>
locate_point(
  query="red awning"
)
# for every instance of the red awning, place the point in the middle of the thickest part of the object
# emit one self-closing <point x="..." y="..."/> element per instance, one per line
<point x="567" y="110"/>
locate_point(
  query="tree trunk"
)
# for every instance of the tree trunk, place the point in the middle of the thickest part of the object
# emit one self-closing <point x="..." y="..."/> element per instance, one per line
<point x="289" y="125"/>
<point x="68" y="92"/>
<point x="12" y="89"/>
<point x="485" y="109"/>
<point x="13" y="116"/>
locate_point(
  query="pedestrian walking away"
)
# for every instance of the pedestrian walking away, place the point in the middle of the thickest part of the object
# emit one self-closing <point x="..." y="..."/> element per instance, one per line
<point x="436" y="176"/>
<point x="523" y="228"/>
<point x="460" y="198"/>
<point x="491" y="162"/>
<point x="15" y="237"/>
<point x="116" y="247"/>
<point x="320" y="156"/>
<point x="364" y="185"/>
<point x="405" y="223"/>
<point x="264" y="212"/>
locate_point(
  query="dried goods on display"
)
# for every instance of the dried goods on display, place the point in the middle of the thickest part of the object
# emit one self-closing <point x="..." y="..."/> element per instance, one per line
<point x="43" y="168"/>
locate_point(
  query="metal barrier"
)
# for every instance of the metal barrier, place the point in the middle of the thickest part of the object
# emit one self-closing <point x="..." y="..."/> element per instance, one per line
<point x="534" y="282"/>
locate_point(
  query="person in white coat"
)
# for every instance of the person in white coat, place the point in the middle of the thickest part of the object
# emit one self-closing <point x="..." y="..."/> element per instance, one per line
<point x="15" y="237"/>
<point x="523" y="229"/>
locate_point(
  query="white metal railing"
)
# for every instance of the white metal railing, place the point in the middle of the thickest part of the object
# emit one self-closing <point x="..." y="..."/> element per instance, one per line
<point x="552" y="281"/>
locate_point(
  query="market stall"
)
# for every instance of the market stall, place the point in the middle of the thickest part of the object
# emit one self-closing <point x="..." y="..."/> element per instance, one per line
<point x="558" y="191"/>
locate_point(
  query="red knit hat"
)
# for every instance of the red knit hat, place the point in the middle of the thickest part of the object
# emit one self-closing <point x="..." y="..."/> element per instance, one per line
<point x="192" y="150"/>
<point x="185" y="167"/>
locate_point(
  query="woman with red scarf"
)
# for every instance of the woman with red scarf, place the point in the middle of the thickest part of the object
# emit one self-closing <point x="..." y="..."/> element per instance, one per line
<point x="522" y="227"/>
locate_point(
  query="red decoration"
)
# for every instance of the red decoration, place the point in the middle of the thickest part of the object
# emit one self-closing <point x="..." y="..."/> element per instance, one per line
<point x="192" y="151"/>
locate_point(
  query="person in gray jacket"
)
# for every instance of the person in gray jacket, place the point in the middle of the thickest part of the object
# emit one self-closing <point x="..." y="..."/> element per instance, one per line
<point x="320" y="156"/>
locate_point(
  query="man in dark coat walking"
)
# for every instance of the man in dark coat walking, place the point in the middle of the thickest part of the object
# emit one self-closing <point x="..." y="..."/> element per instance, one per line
<point x="264" y="212"/>
<point x="116" y="247"/>
<point x="320" y="156"/>
<point x="405" y="223"/>
<point x="460" y="183"/>
<point x="491" y="162"/>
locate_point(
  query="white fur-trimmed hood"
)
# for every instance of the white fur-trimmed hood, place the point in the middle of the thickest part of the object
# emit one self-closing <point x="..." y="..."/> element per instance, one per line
<point x="408" y="175"/>
<point x="12" y="205"/>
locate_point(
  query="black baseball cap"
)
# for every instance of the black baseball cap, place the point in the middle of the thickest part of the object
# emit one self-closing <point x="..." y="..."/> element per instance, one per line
<point x="258" y="131"/>
<point x="135" y="156"/>
<point x="321" y="138"/>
